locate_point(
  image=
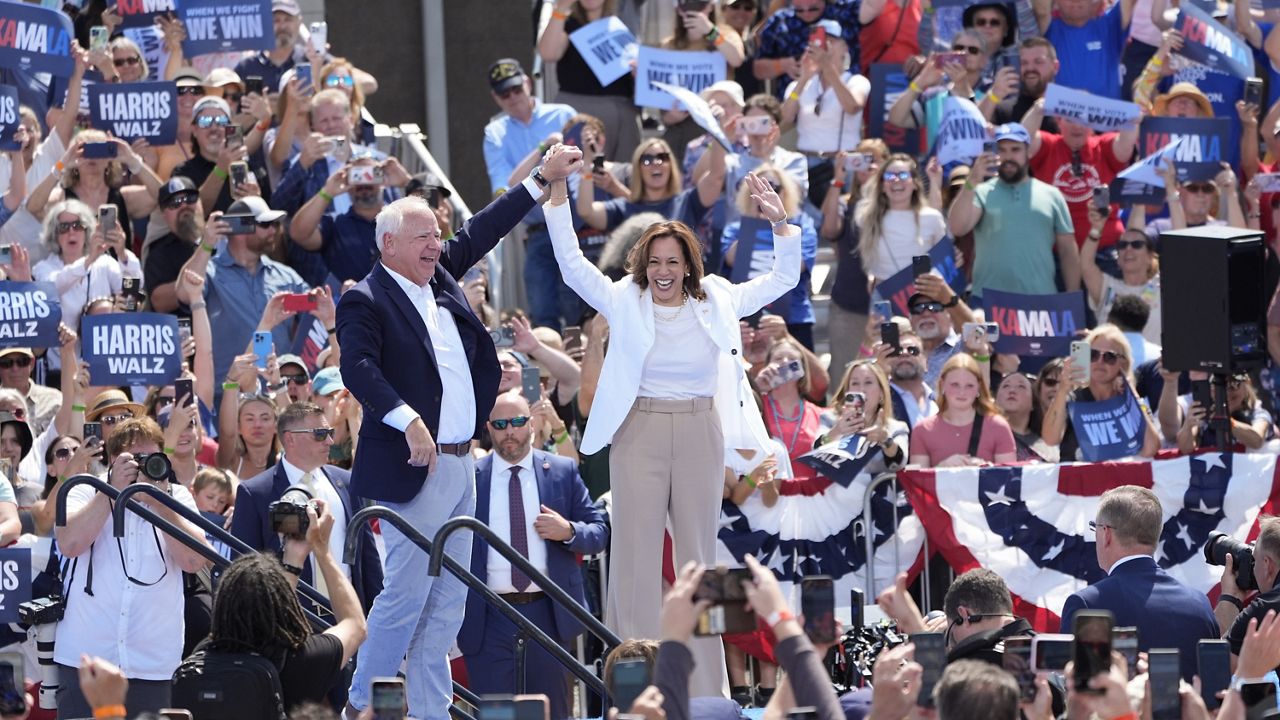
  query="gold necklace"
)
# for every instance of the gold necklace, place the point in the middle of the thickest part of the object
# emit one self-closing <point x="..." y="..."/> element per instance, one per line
<point x="673" y="317"/>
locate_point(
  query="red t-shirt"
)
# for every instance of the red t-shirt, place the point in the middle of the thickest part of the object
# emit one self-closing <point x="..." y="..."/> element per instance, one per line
<point x="798" y="437"/>
<point x="1098" y="167"/>
<point x="885" y="35"/>
<point x="939" y="439"/>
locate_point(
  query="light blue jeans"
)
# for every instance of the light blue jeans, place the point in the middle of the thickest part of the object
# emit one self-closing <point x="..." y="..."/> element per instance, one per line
<point x="417" y="616"/>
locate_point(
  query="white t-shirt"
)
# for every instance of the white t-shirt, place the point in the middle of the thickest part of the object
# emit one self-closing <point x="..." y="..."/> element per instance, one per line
<point x="822" y="120"/>
<point x="904" y="236"/>
<point x="1113" y="287"/>
<point x="24" y="228"/>
<point x="683" y="360"/>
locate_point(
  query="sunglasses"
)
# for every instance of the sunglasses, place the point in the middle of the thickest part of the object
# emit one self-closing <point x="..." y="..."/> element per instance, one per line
<point x="20" y="361"/>
<point x="66" y="227"/>
<point x="317" y="434"/>
<point x="511" y="92"/>
<point x="658" y="159"/>
<point x="1134" y="244"/>
<point x="65" y="453"/>
<point x="334" y="81"/>
<point x="131" y="60"/>
<point x="1106" y="356"/>
<point x="911" y="350"/>
<point x="113" y="419"/>
<point x="808" y="10"/>
<point x="517" y="421"/>
<point x="972" y="50"/>
<point x="178" y="201"/>
<point x="899" y="176"/>
<point x="1049" y="382"/>
<point x="204" y="122"/>
<point x="1198" y="188"/>
<point x="232" y="98"/>
<point x="191" y="90"/>
<point x="1238" y="382"/>
<point x="295" y="379"/>
<point x="988" y="22"/>
<point x="926" y="307"/>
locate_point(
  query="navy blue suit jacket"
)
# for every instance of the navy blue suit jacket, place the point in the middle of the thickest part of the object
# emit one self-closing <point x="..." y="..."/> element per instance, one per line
<point x="388" y="359"/>
<point x="1167" y="613"/>
<point x="561" y="489"/>
<point x="251" y="524"/>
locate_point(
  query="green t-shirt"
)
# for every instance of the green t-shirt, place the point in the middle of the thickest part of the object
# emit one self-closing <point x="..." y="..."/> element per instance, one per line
<point x="1014" y="240"/>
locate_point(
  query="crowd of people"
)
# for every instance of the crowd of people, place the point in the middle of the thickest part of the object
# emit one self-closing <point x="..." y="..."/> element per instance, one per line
<point x="665" y="364"/>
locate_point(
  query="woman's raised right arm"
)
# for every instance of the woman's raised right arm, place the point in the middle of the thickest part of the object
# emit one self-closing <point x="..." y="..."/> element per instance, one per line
<point x="585" y="278"/>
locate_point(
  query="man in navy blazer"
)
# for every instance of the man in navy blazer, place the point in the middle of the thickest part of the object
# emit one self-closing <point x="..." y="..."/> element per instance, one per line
<point x="306" y="436"/>
<point x="425" y="371"/>
<point x="1137" y="591"/>
<point x="559" y="521"/>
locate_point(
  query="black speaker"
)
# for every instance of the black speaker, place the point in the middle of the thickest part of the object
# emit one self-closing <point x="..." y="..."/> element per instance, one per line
<point x="1212" y="299"/>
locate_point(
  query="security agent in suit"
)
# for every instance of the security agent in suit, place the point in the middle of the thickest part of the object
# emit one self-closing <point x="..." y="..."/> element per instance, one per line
<point x="553" y="519"/>
<point x="1137" y="591"/>
<point x="306" y="436"/>
<point x="425" y="371"/>
<point x="1266" y="569"/>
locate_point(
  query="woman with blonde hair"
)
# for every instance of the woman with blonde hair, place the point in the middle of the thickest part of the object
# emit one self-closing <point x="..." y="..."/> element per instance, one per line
<point x="894" y="222"/>
<point x="863" y="404"/>
<point x="655" y="187"/>
<point x="1110" y="373"/>
<point x="968" y="429"/>
<point x="795" y="307"/>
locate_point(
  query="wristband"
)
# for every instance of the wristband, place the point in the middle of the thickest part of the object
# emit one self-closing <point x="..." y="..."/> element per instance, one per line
<point x="557" y="15"/>
<point x="778" y="616"/>
<point x="211" y="249"/>
<point x="747" y="479"/>
<point x="994" y="98"/>
<point x="913" y="87"/>
<point x="327" y="197"/>
<point x="718" y="41"/>
<point x="793" y="95"/>
<point x="1156" y="61"/>
<point x="1232" y="599"/>
<point x="196" y="306"/>
<point x="563" y="437"/>
<point x="542" y="148"/>
<point x="331" y="330"/>
<point x="264" y="125"/>
<point x="712" y="35"/>
<point x="778" y="224"/>
<point x="294" y="569"/>
<point x="170" y="451"/>
<point x="982" y="358"/>
<point x="967" y="185"/>
<point x="109" y="711"/>
<point x="77" y="408"/>
<point x="220" y="172"/>
<point x="230" y="385"/>
<point x="837" y="184"/>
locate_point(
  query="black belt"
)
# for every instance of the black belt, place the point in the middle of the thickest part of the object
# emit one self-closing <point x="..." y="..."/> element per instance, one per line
<point x="461" y="449"/>
<point x="522" y="598"/>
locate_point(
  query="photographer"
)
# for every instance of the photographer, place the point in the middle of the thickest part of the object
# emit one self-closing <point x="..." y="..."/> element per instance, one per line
<point x="1230" y="611"/>
<point x="124" y="595"/>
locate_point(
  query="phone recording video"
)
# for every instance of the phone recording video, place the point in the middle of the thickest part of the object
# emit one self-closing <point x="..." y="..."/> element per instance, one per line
<point x="1051" y="651"/>
<point x="921" y="265"/>
<point x="1017" y="661"/>
<point x="387" y="699"/>
<point x="818" y="605"/>
<point x="728" y="612"/>
<point x="1213" y="658"/>
<point x="630" y="678"/>
<point x="1164" y="671"/>
<point x="1092" y="631"/>
<point x="931" y="653"/>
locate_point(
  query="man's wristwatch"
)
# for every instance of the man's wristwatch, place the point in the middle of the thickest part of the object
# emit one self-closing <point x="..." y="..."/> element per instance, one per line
<point x="291" y="568"/>
<point x="538" y="178"/>
<point x="954" y="301"/>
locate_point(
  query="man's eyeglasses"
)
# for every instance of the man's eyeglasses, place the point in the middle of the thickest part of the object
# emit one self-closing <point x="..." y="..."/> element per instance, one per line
<point x="178" y="201"/>
<point x="899" y="176"/>
<point x="114" y="419"/>
<point x="655" y="159"/>
<point x="1198" y="188"/>
<point x="334" y="81"/>
<point x="1127" y="244"/>
<point x="988" y="22"/>
<point x="131" y="60"/>
<point x="295" y="379"/>
<point x="65" y="453"/>
<point x="66" y="227"/>
<point x="927" y="307"/>
<point x="1094" y="525"/>
<point x="971" y="49"/>
<point x="196" y="90"/>
<point x="517" y="421"/>
<point x="1106" y="356"/>
<point x="21" y="361"/>
<point x="317" y="434"/>
<point x="511" y="92"/>
<point x="204" y="122"/>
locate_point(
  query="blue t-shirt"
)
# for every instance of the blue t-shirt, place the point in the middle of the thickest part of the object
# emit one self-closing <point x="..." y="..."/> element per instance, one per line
<point x="348" y="245"/>
<point x="684" y="207"/>
<point x="1089" y="56"/>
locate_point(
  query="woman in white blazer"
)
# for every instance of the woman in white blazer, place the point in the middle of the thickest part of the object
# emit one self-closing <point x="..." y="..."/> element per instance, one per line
<point x="672" y="387"/>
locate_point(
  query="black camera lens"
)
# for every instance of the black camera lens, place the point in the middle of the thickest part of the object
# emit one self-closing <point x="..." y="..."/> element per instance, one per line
<point x="154" y="466"/>
<point x="1220" y="545"/>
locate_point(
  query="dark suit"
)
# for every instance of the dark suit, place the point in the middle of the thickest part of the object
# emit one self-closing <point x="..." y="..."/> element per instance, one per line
<point x="486" y="638"/>
<point x="1141" y="594"/>
<point x="251" y="523"/>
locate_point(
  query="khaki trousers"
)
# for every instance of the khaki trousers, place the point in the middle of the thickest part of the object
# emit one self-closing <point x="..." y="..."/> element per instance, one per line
<point x="666" y="463"/>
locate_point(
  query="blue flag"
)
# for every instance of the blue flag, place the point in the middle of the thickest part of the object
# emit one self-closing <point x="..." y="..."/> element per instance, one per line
<point x="35" y="39"/>
<point x="131" y="348"/>
<point x="899" y="287"/>
<point x="29" y="314"/>
<point x="147" y="110"/>
<point x="1208" y="42"/>
<point x="222" y="25"/>
<point x="1108" y="429"/>
<point x="142" y="13"/>
<point x="15" y="582"/>
<point x="9" y="120"/>
<point x="1035" y="325"/>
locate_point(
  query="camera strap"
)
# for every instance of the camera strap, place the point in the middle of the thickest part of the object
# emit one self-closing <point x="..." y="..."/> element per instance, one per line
<point x="120" y="546"/>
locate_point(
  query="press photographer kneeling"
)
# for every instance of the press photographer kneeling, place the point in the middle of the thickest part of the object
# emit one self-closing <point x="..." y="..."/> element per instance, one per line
<point x="124" y="595"/>
<point x="1246" y="568"/>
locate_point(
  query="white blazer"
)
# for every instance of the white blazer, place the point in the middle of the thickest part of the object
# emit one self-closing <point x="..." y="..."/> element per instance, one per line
<point x="629" y="311"/>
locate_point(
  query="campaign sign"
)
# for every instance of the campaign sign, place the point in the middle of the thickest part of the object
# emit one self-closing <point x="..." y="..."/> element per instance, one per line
<point x="1100" y="113"/>
<point x="147" y="110"/>
<point x="29" y="314"/>
<point x="35" y="39"/>
<point x="1108" y="429"/>
<point x="1035" y="325"/>
<point x="1208" y="42"/>
<point x="700" y="111"/>
<point x="1125" y="191"/>
<point x="9" y="120"/>
<point x="842" y="460"/>
<point x="15" y="582"/>
<point x="1204" y="145"/>
<point x="888" y="82"/>
<point x="962" y="132"/>
<point x="607" y="46"/>
<point x="150" y="40"/>
<point x="693" y="71"/>
<point x="141" y="13"/>
<point x="132" y="348"/>
<point x="753" y="255"/>
<point x="900" y="286"/>
<point x="1267" y="182"/>
<point x="222" y="25"/>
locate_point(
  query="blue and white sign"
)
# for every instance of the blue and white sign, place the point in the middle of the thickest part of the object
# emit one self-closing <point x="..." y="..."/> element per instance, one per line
<point x="29" y="314"/>
<point x="693" y="71"/>
<point x="700" y="111"/>
<point x="607" y="46"/>
<point x="1100" y="113"/>
<point x="35" y="39"/>
<point x="9" y="120"/>
<point x="900" y="286"/>
<point x="131" y="348"/>
<point x="142" y="13"/>
<point x="147" y="110"/>
<point x="1108" y="429"/>
<point x="1035" y="325"/>
<point x="1150" y="169"/>
<point x="1205" y="143"/>
<point x="1208" y="42"/>
<point x="962" y="132"/>
<point x="222" y="25"/>
<point x="15" y="582"/>
<point x="842" y="460"/>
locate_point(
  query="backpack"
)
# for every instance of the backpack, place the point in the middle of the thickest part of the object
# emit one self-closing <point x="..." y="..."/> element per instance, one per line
<point x="217" y="685"/>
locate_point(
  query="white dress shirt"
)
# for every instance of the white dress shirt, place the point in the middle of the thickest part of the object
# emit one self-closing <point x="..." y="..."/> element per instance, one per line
<point x="458" y="398"/>
<point x="1123" y="560"/>
<point x="499" y="570"/>
<point x="329" y="494"/>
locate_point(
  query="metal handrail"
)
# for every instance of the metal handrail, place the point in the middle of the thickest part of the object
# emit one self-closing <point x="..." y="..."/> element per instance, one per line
<point x="870" y="537"/>
<point x="472" y="582"/>
<point x="520" y="561"/>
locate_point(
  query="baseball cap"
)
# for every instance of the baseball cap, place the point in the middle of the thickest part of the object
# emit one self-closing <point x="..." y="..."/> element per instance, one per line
<point x="505" y="74"/>
<point x="291" y="359"/>
<point x="286" y="6"/>
<point x="728" y="87"/>
<point x="17" y="351"/>
<point x="1013" y="131"/>
<point x="328" y="380"/>
<point x="207" y="102"/>
<point x="177" y="185"/>
<point x="257" y="208"/>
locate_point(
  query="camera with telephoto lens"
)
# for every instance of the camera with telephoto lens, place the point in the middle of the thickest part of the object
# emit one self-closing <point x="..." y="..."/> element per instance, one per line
<point x="42" y="610"/>
<point x="850" y="662"/>
<point x="1220" y="545"/>
<point x="289" y="513"/>
<point x="154" y="466"/>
